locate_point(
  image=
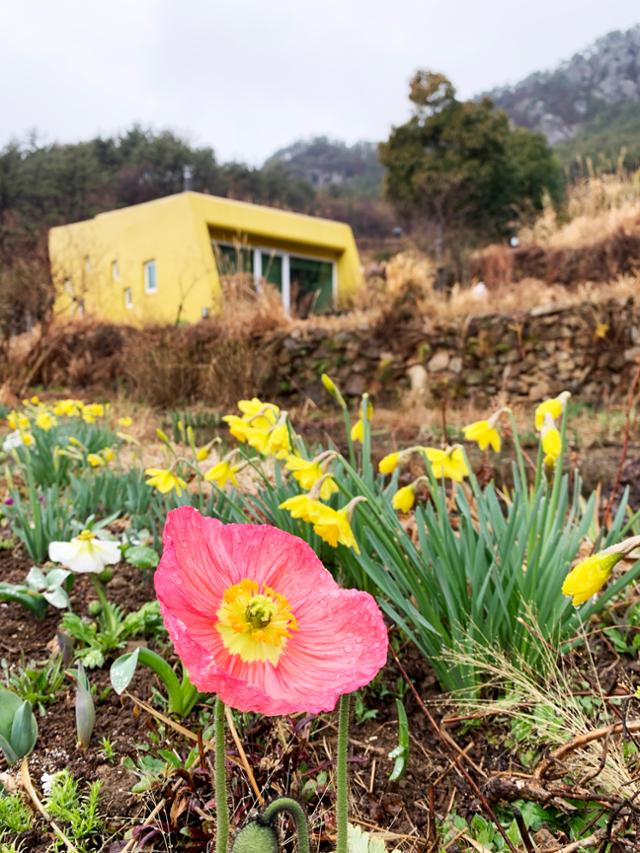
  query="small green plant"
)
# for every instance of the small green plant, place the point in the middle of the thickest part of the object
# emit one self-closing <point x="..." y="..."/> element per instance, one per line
<point x="14" y="815"/>
<point x="38" y="518"/>
<point x="38" y="684"/>
<point x="108" y="750"/>
<point x="111" y="629"/>
<point x="77" y="811"/>
<point x="18" y="726"/>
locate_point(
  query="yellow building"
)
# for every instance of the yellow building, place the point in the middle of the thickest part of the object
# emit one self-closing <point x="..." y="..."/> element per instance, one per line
<point x="162" y="261"/>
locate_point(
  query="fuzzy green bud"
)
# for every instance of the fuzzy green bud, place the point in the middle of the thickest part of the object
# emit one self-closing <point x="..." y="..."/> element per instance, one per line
<point x="255" y="838"/>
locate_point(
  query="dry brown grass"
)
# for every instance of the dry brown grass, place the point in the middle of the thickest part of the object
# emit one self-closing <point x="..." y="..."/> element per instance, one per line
<point x="596" y="208"/>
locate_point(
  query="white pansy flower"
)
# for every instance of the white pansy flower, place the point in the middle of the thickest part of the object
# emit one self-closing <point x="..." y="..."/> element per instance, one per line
<point x="85" y="553"/>
<point x="12" y="441"/>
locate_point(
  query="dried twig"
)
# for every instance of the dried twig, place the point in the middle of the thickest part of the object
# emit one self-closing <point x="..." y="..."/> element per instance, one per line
<point x="580" y="741"/>
<point x="243" y="756"/>
<point x="27" y="784"/>
<point x="449" y="744"/>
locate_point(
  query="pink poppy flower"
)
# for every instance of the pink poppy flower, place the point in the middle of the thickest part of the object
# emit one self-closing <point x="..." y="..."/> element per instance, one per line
<point x="258" y="620"/>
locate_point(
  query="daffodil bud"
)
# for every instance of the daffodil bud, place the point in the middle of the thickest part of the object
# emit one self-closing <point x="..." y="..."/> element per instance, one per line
<point x="255" y="838"/>
<point x="164" y="438"/>
<point x="332" y="388"/>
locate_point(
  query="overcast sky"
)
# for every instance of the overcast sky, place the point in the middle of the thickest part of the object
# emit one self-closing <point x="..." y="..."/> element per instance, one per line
<point x="250" y="76"/>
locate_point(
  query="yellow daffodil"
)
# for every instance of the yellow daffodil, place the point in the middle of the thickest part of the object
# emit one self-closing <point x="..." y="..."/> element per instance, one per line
<point x="95" y="460"/>
<point x="45" y="421"/>
<point x="202" y="453"/>
<point x="260" y="415"/>
<point x="404" y="499"/>
<point x="237" y="427"/>
<point x="35" y="400"/>
<point x="27" y="438"/>
<point x="449" y="463"/>
<point x="389" y="463"/>
<point x="258" y="439"/>
<point x="484" y="433"/>
<point x="333" y="527"/>
<point x="91" y="411"/>
<point x="73" y="441"/>
<point x="165" y="481"/>
<point x="307" y="472"/>
<point x="551" y="442"/>
<point x="67" y="408"/>
<point x="357" y="430"/>
<point x="589" y="576"/>
<point x="107" y="454"/>
<point x="125" y="422"/>
<point x="15" y="420"/>
<point x="222" y="473"/>
<point x="302" y="506"/>
<point x="278" y="443"/>
<point x="553" y="407"/>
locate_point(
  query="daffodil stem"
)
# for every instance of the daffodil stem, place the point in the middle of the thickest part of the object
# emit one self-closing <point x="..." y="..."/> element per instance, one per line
<point x="342" y="781"/>
<point x="286" y="804"/>
<point x="222" y="806"/>
<point x="106" y="613"/>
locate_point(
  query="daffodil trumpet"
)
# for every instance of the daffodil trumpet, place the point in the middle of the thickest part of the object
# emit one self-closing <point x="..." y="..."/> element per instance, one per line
<point x="485" y="433"/>
<point x="588" y="576"/>
<point x="393" y="460"/>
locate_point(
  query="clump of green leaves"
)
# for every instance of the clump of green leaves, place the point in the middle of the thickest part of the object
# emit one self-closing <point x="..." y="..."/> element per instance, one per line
<point x="78" y="811"/>
<point x="14" y="815"/>
<point x="36" y="683"/>
<point x="110" y="630"/>
<point x="18" y="726"/>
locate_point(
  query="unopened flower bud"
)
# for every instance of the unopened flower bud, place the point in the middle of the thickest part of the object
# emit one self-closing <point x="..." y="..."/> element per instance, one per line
<point x="255" y="838"/>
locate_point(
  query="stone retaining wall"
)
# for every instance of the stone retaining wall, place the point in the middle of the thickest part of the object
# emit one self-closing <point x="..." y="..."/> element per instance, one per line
<point x="589" y="349"/>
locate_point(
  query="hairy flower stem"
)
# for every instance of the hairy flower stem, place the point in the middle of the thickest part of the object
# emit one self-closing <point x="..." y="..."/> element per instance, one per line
<point x="286" y="804"/>
<point x="222" y="806"/>
<point x="342" y="782"/>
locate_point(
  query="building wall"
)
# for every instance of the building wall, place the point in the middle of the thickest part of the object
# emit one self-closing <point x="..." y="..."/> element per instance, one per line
<point x="176" y="232"/>
<point x="165" y="231"/>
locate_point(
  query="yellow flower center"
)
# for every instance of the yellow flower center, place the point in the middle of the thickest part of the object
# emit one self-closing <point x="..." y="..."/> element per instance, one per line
<point x="253" y="623"/>
<point x="85" y="536"/>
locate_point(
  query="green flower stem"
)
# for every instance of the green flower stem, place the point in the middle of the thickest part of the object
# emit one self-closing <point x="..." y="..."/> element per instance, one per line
<point x="222" y="806"/>
<point x="286" y="804"/>
<point x="342" y="782"/>
<point x="165" y="673"/>
<point x="109" y="621"/>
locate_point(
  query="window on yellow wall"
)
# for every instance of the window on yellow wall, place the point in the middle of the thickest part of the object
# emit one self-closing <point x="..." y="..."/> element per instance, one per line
<point x="150" y="280"/>
<point x="115" y="271"/>
<point x="128" y="298"/>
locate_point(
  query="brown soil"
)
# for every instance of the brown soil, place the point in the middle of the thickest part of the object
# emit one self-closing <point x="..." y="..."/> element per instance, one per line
<point x="286" y="754"/>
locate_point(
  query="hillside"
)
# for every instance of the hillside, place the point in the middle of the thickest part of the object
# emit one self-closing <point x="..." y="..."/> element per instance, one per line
<point x="329" y="163"/>
<point x="592" y="98"/>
